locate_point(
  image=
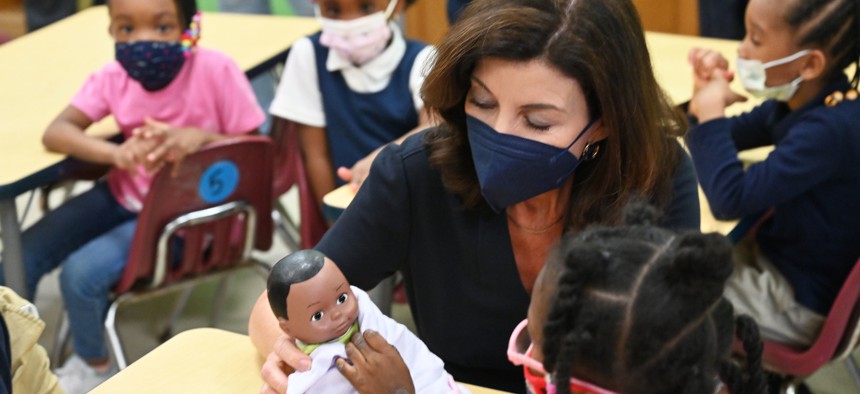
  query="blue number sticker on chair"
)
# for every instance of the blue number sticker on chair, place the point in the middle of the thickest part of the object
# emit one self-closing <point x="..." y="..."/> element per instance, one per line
<point x="219" y="181"/>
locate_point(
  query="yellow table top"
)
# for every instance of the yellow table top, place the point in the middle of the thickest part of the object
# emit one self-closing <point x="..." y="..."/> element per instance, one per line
<point x="41" y="71"/>
<point x="203" y="360"/>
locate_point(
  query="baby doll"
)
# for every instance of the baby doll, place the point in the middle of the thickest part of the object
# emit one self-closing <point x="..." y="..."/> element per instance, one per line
<point x="315" y="304"/>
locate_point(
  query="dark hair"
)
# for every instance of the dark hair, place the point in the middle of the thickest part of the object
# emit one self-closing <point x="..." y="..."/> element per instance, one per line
<point x="600" y="44"/>
<point x="295" y="268"/>
<point x="639" y="309"/>
<point x="186" y="8"/>
<point x="834" y="26"/>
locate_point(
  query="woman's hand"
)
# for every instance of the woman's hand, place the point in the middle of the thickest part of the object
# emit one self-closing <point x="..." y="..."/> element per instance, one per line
<point x="376" y="365"/>
<point x="707" y="64"/>
<point x="284" y="358"/>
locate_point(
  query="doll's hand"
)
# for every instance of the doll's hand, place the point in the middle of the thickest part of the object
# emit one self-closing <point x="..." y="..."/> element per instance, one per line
<point x="132" y="152"/>
<point x="706" y="65"/>
<point x="376" y="365"/>
<point x="358" y="173"/>
<point x="282" y="361"/>
<point x="711" y="100"/>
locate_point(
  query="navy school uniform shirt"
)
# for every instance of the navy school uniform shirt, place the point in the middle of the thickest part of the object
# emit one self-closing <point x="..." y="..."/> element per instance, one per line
<point x="811" y="181"/>
<point x="358" y="123"/>
<point x="461" y="278"/>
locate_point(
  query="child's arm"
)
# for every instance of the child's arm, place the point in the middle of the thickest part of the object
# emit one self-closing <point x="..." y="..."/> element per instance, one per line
<point x="66" y="135"/>
<point x="314" y="146"/>
<point x="359" y="171"/>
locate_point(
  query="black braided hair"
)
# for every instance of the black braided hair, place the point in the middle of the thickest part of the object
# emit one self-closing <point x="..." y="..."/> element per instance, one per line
<point x="749" y="380"/>
<point x="832" y="25"/>
<point x="639" y="309"/>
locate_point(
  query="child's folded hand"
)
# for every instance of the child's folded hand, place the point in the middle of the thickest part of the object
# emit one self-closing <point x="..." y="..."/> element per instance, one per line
<point x="173" y="143"/>
<point x="711" y="100"/>
<point x="706" y="65"/>
<point x="133" y="152"/>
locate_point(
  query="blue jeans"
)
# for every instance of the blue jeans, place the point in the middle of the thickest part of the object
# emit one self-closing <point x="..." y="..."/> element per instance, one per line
<point x="89" y="236"/>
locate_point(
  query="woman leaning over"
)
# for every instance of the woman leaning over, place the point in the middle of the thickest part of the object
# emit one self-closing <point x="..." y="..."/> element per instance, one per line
<point x="552" y="121"/>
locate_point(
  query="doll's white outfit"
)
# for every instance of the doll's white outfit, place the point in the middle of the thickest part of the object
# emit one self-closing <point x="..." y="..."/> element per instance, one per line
<point x="427" y="370"/>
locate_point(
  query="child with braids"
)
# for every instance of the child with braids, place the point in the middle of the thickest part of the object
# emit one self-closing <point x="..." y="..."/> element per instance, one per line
<point x="794" y="55"/>
<point x="636" y="309"/>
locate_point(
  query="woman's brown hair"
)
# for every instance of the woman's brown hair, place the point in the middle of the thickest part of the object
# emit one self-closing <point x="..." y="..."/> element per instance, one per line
<point x="600" y="44"/>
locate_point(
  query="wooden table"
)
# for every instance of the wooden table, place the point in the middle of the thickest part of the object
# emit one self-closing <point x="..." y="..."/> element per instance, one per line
<point x="203" y="360"/>
<point x="41" y="71"/>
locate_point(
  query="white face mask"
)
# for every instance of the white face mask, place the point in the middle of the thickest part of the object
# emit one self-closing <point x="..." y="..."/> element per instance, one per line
<point x="753" y="75"/>
<point x="357" y="40"/>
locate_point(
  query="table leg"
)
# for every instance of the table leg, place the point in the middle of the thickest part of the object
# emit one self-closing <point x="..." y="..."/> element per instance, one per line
<point x="13" y="260"/>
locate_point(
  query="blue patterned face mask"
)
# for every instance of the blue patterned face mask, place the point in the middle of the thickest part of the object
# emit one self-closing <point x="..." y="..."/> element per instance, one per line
<point x="513" y="169"/>
<point x="152" y="63"/>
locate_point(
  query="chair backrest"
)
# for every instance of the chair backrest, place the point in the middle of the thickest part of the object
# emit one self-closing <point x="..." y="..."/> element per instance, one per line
<point x="838" y="336"/>
<point x="225" y="185"/>
<point x="289" y="171"/>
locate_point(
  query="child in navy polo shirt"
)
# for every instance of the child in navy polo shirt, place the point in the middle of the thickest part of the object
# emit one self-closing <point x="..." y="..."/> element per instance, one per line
<point x="794" y="54"/>
<point x="352" y="88"/>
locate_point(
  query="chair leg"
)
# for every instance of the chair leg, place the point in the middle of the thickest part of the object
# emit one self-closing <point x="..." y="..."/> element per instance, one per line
<point x="177" y="311"/>
<point x="218" y="301"/>
<point x="854" y="369"/>
<point x="61" y="340"/>
<point x="113" y="336"/>
<point x="286" y="226"/>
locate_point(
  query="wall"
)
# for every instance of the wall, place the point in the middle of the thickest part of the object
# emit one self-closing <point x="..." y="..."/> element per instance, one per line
<point x="426" y="19"/>
<point x="11" y="19"/>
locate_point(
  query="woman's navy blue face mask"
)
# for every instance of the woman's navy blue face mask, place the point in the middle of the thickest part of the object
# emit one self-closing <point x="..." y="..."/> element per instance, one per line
<point x="152" y="63"/>
<point x="512" y="169"/>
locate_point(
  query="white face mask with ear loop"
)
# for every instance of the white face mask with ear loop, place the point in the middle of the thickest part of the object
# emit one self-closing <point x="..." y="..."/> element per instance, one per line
<point x="357" y="40"/>
<point x="753" y="76"/>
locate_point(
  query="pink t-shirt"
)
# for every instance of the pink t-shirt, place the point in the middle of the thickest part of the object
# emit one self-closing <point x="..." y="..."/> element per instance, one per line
<point x="210" y="93"/>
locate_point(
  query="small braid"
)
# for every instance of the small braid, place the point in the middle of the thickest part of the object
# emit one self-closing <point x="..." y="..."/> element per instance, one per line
<point x="834" y="26"/>
<point x="639" y="309"/>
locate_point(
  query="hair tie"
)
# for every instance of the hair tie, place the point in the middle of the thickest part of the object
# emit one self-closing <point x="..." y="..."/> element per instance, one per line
<point x="192" y="35"/>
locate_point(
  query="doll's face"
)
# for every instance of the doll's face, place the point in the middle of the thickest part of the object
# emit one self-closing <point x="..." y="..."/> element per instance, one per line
<point x="321" y="308"/>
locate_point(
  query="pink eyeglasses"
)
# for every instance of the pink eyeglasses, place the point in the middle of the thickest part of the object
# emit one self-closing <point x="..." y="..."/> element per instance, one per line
<point x="519" y="353"/>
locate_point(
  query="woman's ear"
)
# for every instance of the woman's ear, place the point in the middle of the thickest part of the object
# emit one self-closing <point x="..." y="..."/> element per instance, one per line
<point x="600" y="132"/>
<point x="814" y="65"/>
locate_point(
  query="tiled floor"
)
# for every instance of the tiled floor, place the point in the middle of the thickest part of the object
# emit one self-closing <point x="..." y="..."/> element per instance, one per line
<point x="141" y="325"/>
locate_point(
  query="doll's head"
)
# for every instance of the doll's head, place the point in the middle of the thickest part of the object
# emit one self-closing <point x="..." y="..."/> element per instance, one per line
<point x="311" y="298"/>
<point x="636" y="309"/>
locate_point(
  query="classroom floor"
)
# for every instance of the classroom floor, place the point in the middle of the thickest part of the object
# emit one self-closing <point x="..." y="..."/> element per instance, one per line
<point x="140" y="325"/>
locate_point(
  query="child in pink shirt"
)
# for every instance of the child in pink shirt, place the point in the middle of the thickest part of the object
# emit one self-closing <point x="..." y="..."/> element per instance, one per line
<point x="169" y="99"/>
